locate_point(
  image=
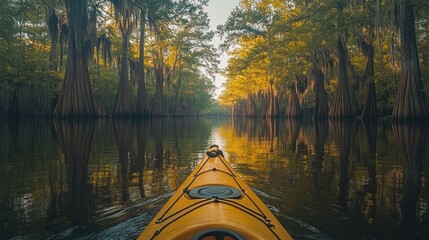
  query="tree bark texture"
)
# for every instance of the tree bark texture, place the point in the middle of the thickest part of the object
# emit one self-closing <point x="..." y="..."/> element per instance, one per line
<point x="320" y="96"/>
<point x="341" y="106"/>
<point x="271" y="107"/>
<point x="370" y="107"/>
<point x="124" y="105"/>
<point x="76" y="98"/>
<point x="177" y="111"/>
<point x="250" y="106"/>
<point x="294" y="107"/>
<point x="158" y="105"/>
<point x="411" y="102"/>
<point x="142" y="105"/>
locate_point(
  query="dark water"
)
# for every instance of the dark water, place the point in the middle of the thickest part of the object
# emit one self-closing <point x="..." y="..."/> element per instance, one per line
<point x="107" y="179"/>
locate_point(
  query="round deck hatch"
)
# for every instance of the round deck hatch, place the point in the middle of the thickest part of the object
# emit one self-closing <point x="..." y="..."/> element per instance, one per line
<point x="215" y="191"/>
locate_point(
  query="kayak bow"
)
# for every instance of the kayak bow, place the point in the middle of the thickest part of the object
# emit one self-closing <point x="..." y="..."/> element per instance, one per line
<point x="214" y="203"/>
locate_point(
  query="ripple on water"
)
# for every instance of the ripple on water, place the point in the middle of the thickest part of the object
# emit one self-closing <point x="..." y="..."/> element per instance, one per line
<point x="117" y="222"/>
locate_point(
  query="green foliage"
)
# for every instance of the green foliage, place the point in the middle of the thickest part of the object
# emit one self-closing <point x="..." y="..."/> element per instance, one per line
<point x="268" y="41"/>
<point x="24" y="59"/>
<point x="183" y="26"/>
<point x="105" y="83"/>
<point x="296" y="30"/>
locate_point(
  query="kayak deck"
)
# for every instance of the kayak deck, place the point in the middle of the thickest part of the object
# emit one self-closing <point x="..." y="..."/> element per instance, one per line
<point x="214" y="202"/>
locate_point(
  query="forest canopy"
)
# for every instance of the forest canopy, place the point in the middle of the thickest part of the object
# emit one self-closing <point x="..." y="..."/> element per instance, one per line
<point x="89" y="58"/>
<point x="327" y="58"/>
<point x="126" y="58"/>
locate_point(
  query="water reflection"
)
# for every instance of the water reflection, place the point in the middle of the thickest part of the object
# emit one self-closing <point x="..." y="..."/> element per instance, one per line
<point x="369" y="185"/>
<point x="321" y="135"/>
<point x="323" y="179"/>
<point x="293" y="127"/>
<point x="343" y="132"/>
<point x="142" y="128"/>
<point x="76" y="201"/>
<point x="410" y="139"/>
<point x="124" y="128"/>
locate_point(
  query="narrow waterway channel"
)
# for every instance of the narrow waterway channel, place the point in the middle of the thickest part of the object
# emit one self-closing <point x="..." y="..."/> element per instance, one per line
<point x="107" y="179"/>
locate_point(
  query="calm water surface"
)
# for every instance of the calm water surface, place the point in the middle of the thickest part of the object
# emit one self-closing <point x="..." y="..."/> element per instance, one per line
<point x="107" y="179"/>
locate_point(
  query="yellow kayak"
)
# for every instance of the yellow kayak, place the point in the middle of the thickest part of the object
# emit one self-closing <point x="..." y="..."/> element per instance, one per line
<point x="214" y="203"/>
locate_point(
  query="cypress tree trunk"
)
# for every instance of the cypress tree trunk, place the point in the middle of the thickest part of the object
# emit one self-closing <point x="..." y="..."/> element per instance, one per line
<point x="370" y="106"/>
<point x="320" y="96"/>
<point x="341" y="106"/>
<point x="124" y="106"/>
<point x="158" y="105"/>
<point x="411" y="102"/>
<point x="231" y="111"/>
<point x="250" y="106"/>
<point x="142" y="105"/>
<point x="177" y="105"/>
<point x="263" y="97"/>
<point x="294" y="107"/>
<point x="76" y="98"/>
<point x="272" y="103"/>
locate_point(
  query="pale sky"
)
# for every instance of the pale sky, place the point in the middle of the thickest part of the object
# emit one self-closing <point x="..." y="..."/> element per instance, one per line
<point x="218" y="11"/>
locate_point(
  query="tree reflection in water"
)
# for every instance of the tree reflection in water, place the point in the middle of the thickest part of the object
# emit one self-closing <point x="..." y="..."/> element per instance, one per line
<point x="124" y="128"/>
<point x="410" y="139"/>
<point x="321" y="134"/>
<point x="343" y="132"/>
<point x="75" y="138"/>
<point x="369" y="193"/>
<point x="142" y="128"/>
<point x="324" y="179"/>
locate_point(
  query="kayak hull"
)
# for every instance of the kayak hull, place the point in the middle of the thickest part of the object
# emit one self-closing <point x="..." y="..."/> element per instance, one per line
<point x="214" y="201"/>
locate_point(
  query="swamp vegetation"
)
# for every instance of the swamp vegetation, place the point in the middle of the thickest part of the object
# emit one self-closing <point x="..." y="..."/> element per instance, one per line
<point x="335" y="58"/>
